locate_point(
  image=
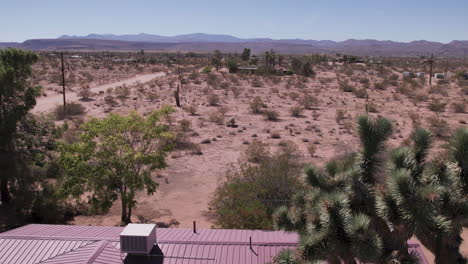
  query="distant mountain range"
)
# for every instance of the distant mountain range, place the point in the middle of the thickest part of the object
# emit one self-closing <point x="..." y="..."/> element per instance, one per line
<point x="200" y="42"/>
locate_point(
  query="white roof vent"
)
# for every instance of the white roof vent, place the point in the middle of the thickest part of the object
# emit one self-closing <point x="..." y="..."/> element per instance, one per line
<point x="138" y="238"/>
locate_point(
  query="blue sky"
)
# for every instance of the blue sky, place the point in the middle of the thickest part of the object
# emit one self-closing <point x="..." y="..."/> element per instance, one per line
<point x="307" y="19"/>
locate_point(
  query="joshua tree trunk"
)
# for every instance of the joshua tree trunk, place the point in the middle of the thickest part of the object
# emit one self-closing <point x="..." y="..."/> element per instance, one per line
<point x="4" y="193"/>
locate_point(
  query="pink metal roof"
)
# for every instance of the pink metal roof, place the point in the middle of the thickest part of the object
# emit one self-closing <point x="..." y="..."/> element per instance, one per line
<point x="53" y="244"/>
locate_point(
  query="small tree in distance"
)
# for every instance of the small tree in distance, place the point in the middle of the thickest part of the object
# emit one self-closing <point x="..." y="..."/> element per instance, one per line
<point x="245" y="54"/>
<point x="114" y="158"/>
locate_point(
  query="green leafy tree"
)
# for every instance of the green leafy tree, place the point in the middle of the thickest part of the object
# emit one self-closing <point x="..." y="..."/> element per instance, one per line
<point x="245" y="56"/>
<point x="232" y="65"/>
<point x="33" y="163"/>
<point x="217" y="59"/>
<point x="17" y="97"/>
<point x="115" y="158"/>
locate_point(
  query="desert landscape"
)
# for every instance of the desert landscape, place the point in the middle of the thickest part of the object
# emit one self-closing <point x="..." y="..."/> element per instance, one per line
<point x="315" y="113"/>
<point x="234" y="132"/>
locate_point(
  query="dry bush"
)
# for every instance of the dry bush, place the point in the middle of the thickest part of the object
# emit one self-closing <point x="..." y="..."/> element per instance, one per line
<point x="73" y="109"/>
<point x="346" y="87"/>
<point x="109" y="99"/>
<point x="192" y="109"/>
<point x="216" y="117"/>
<point x="360" y="93"/>
<point x="437" y="106"/>
<point x="152" y="96"/>
<point x="185" y="125"/>
<point x="296" y="111"/>
<point x="122" y="92"/>
<point x="439" y="127"/>
<point x="213" y="99"/>
<point x="86" y="94"/>
<point x="257" y="104"/>
<point x="311" y="149"/>
<point x="459" y="107"/>
<point x="381" y="85"/>
<point x="309" y="101"/>
<point x="340" y="116"/>
<point x="438" y="90"/>
<point x="256" y="82"/>
<point x="271" y="114"/>
<point x="372" y="108"/>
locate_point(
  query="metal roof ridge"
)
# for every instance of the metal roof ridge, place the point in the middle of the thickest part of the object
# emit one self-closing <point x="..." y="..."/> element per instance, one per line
<point x="67" y="238"/>
<point x="95" y="253"/>
<point x="65" y="252"/>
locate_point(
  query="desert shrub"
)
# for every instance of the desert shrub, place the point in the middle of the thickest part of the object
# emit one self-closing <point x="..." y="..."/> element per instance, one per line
<point x="251" y="191"/>
<point x="340" y="116"/>
<point x="372" y="108"/>
<point x="236" y="91"/>
<point x="192" y="109"/>
<point x="439" y="127"/>
<point x="346" y="87"/>
<point x="213" y="99"/>
<point x="185" y="125"/>
<point x="380" y="85"/>
<point x="296" y="111"/>
<point x="360" y="93"/>
<point x="393" y="77"/>
<point x="85" y="94"/>
<point x="206" y="69"/>
<point x="216" y="117"/>
<point x="194" y="75"/>
<point x="109" y="99"/>
<point x="459" y="107"/>
<point x="271" y="114"/>
<point x="73" y="109"/>
<point x="212" y="79"/>
<point x="442" y="82"/>
<point x="365" y="82"/>
<point x="438" y="89"/>
<point x="311" y="149"/>
<point x="257" y="104"/>
<point x="152" y="96"/>
<point x="437" y="106"/>
<point x="122" y="92"/>
<point x="256" y="82"/>
<point x="309" y="101"/>
<point x="465" y="90"/>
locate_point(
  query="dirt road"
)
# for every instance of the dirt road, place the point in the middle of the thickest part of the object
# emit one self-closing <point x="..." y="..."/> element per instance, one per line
<point x="45" y="104"/>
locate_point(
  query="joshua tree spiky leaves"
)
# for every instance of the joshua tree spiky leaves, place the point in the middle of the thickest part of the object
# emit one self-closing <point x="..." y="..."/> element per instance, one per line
<point x="360" y="209"/>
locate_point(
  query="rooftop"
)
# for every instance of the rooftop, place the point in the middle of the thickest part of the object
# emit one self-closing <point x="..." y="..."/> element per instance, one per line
<point x="47" y="244"/>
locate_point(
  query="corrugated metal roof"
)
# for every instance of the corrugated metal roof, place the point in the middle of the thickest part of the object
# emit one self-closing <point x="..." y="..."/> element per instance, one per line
<point x="52" y="244"/>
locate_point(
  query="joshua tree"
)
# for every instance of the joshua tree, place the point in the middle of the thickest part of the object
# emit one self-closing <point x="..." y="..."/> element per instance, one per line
<point x="428" y="199"/>
<point x="359" y="209"/>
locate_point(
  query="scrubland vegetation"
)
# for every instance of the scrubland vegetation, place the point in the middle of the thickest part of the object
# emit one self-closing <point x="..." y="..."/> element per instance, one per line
<point x="385" y="156"/>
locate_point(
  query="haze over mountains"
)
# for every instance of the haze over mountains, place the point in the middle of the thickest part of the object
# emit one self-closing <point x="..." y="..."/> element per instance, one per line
<point x="201" y="42"/>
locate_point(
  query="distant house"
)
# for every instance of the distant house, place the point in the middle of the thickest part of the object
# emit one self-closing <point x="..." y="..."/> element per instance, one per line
<point x="408" y="75"/>
<point x="247" y="69"/>
<point x="420" y="74"/>
<point x="146" y="244"/>
<point x="439" y="76"/>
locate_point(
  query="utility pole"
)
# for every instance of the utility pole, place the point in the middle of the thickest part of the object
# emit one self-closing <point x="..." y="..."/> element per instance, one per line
<point x="176" y="93"/>
<point x="63" y="87"/>
<point x="431" y="64"/>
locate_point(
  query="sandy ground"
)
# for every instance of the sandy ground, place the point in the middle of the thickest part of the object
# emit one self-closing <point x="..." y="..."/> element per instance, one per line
<point x="45" y="104"/>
